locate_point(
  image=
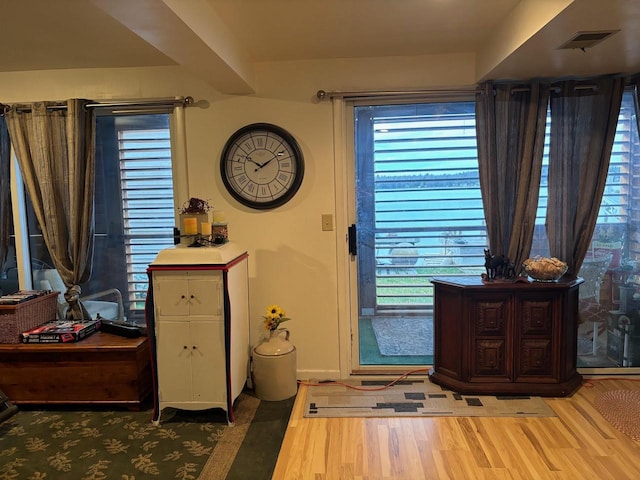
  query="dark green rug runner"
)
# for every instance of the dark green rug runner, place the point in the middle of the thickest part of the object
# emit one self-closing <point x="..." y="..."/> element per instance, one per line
<point x="121" y="445"/>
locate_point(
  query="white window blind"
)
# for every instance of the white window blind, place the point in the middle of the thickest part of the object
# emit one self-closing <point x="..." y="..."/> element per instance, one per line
<point x="147" y="203"/>
<point x="419" y="203"/>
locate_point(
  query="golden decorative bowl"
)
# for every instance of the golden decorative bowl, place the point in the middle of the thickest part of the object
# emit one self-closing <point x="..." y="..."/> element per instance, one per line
<point x="543" y="269"/>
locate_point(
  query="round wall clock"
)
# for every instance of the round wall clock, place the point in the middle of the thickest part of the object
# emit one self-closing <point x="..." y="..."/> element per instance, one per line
<point x="262" y="166"/>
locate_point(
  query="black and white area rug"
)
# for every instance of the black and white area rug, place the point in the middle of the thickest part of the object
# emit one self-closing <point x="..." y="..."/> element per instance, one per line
<point x="413" y="397"/>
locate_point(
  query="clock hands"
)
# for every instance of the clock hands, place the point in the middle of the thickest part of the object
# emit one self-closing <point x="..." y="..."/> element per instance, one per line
<point x="263" y="165"/>
<point x="279" y="154"/>
<point x="252" y="161"/>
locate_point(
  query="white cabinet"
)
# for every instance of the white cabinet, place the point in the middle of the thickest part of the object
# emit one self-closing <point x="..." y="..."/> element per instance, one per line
<point x="190" y="363"/>
<point x="188" y="293"/>
<point x="199" y="327"/>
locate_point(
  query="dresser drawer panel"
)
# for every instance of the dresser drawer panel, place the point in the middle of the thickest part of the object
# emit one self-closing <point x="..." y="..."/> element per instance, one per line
<point x="536" y="357"/>
<point x="536" y="317"/>
<point x="489" y="358"/>
<point x="490" y="317"/>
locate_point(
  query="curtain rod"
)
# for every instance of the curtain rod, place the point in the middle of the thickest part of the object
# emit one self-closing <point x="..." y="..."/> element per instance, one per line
<point x="125" y="104"/>
<point x="324" y="94"/>
<point x="150" y="102"/>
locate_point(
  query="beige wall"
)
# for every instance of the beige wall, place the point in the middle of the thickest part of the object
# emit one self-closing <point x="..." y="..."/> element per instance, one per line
<point x="292" y="261"/>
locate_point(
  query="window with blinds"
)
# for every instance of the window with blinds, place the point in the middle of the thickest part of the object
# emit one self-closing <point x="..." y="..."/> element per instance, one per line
<point x="134" y="209"/>
<point x="146" y="186"/>
<point x="418" y="202"/>
<point x="419" y="206"/>
<point x="617" y="199"/>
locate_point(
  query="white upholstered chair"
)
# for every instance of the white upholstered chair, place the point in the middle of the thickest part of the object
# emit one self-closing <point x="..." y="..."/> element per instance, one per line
<point x="111" y="309"/>
<point x="592" y="271"/>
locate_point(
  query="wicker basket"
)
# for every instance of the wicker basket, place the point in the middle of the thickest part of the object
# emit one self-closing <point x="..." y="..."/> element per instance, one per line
<point x="15" y="319"/>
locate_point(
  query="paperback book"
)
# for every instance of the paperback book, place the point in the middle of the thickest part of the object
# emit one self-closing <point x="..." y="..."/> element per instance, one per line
<point x="60" y="331"/>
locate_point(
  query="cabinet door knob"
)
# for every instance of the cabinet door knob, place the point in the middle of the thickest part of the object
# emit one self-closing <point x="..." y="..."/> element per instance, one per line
<point x="194" y="347"/>
<point x="185" y="347"/>
<point x="183" y="297"/>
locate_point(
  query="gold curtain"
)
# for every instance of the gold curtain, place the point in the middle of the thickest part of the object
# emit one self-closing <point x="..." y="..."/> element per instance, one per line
<point x="55" y="148"/>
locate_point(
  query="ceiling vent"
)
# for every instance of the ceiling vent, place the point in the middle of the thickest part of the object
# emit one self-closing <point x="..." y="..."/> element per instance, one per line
<point x="584" y="40"/>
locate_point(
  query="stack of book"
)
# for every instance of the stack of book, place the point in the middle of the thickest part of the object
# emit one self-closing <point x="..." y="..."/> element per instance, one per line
<point x="20" y="296"/>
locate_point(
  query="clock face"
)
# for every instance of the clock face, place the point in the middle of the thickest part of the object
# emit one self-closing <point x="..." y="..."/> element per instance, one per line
<point x="262" y="166"/>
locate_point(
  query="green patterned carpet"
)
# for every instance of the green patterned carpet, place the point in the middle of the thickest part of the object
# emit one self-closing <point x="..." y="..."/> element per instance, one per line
<point x="123" y="445"/>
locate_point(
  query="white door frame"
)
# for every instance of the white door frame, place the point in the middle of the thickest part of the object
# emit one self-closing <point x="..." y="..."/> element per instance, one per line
<point x="345" y="216"/>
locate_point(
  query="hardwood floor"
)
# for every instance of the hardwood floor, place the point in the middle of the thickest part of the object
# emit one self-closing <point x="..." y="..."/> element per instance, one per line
<point x="577" y="444"/>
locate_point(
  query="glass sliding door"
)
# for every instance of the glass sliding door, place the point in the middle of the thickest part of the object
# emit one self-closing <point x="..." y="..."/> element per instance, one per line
<point x="418" y="214"/>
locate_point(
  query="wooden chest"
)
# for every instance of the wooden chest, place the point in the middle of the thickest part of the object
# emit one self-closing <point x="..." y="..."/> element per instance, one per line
<point x="100" y="369"/>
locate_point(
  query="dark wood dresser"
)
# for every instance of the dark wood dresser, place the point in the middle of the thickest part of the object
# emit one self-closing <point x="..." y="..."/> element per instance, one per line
<point x="505" y="337"/>
<point x="100" y="369"/>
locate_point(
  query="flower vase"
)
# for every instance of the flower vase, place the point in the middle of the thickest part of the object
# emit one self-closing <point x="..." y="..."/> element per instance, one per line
<point x="277" y="343"/>
<point x="274" y="367"/>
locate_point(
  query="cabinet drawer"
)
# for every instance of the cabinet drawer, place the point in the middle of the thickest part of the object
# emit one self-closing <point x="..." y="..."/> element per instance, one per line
<point x="536" y="316"/>
<point x="188" y="294"/>
<point x="490" y="358"/>
<point x="489" y="317"/>
<point x="536" y="357"/>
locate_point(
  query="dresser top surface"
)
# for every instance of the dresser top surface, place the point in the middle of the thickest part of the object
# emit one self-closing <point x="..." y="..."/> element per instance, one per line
<point x="214" y="255"/>
<point x="521" y="283"/>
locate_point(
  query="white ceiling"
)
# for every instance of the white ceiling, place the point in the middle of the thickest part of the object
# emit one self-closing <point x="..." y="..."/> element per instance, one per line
<point x="313" y="29"/>
<point x="222" y="39"/>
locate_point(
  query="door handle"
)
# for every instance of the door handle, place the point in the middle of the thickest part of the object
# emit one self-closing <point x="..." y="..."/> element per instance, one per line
<point x="352" y="238"/>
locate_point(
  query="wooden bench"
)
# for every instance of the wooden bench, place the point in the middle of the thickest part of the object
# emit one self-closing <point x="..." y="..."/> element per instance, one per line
<point x="100" y="369"/>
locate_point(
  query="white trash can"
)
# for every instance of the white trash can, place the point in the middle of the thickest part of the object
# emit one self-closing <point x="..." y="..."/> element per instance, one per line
<point x="274" y="367"/>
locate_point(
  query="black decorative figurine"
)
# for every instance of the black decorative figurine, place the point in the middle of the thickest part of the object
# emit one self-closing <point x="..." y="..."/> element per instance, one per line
<point x="498" y="266"/>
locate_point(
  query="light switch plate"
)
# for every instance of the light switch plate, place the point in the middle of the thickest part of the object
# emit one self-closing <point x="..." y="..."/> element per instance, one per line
<point x="327" y="222"/>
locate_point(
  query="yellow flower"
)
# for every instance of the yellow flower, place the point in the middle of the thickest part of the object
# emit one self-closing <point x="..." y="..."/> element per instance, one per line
<point x="274" y="311"/>
<point x="274" y="317"/>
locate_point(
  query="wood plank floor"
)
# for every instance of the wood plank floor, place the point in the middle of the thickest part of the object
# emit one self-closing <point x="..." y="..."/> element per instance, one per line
<point x="578" y="444"/>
